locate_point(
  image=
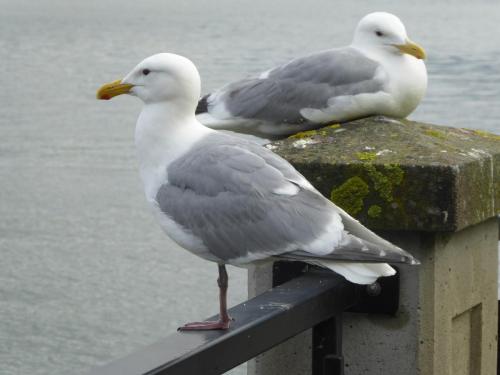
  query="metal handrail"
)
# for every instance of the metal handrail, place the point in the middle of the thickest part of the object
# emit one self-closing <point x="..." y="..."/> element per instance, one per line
<point x="259" y="324"/>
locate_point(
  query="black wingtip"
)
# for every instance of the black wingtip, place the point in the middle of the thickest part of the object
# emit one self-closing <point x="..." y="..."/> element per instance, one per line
<point x="407" y="258"/>
<point x="414" y="262"/>
<point x="202" y="105"/>
<point x="399" y="257"/>
<point x="354" y="255"/>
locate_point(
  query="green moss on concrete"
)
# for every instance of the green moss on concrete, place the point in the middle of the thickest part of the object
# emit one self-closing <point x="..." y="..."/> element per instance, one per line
<point x="304" y="134"/>
<point x="384" y="179"/>
<point x="487" y="135"/>
<point x="334" y="126"/>
<point x="435" y="133"/>
<point x="366" y="156"/>
<point x="350" y="195"/>
<point x="374" y="211"/>
<point x="314" y="132"/>
<point x="377" y="182"/>
<point x="422" y="176"/>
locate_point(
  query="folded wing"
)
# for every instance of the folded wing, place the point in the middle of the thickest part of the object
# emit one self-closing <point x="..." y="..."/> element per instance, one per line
<point x="245" y="203"/>
<point x="281" y="100"/>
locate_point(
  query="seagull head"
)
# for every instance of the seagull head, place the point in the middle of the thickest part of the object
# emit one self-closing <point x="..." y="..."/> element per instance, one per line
<point x="164" y="77"/>
<point x="385" y="31"/>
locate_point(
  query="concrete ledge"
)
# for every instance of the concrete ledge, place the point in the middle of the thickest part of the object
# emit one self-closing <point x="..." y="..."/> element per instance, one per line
<point x="434" y="191"/>
<point x="402" y="175"/>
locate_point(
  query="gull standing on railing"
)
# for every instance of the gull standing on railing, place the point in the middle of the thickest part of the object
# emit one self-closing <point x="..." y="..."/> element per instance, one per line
<point x="232" y="201"/>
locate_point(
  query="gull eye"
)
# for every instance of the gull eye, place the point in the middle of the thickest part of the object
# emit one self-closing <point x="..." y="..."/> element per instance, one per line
<point x="379" y="33"/>
<point x="146" y="71"/>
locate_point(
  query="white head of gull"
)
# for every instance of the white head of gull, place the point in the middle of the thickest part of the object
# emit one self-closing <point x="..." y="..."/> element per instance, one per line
<point x="381" y="73"/>
<point x="384" y="33"/>
<point x="232" y="201"/>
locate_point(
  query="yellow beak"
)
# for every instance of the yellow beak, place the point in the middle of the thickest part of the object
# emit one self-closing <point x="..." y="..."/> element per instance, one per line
<point x="412" y="48"/>
<point x="112" y="89"/>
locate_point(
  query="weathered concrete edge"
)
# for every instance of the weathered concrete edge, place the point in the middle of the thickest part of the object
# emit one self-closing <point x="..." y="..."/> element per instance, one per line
<point x="398" y="194"/>
<point x="462" y="195"/>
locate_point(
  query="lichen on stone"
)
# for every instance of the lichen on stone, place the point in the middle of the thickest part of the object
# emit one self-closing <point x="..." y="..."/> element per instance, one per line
<point x="383" y="152"/>
<point x="488" y="135"/>
<point x="302" y="143"/>
<point x="384" y="181"/>
<point x="374" y="211"/>
<point x="435" y="133"/>
<point x="304" y="134"/>
<point x="350" y="195"/>
<point x="309" y="134"/>
<point x="334" y="126"/>
<point x="366" y="156"/>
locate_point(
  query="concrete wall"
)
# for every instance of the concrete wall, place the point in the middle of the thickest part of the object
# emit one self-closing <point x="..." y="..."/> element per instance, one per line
<point x="446" y="323"/>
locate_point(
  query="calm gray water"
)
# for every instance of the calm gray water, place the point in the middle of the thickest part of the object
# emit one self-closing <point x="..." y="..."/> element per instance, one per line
<point x="86" y="275"/>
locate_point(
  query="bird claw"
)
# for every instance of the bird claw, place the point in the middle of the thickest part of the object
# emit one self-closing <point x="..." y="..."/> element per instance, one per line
<point x="206" y="326"/>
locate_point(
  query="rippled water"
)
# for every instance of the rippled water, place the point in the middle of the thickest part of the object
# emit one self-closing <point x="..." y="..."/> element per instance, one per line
<point x="86" y="275"/>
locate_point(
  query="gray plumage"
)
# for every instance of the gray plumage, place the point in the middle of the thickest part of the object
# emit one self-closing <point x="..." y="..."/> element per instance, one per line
<point x="306" y="82"/>
<point x="242" y="200"/>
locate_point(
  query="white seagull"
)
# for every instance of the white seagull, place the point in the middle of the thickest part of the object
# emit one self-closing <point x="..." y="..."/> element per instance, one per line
<point x="232" y="201"/>
<point x="381" y="73"/>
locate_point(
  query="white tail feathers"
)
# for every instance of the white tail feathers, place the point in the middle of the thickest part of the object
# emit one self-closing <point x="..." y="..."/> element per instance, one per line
<point x="358" y="273"/>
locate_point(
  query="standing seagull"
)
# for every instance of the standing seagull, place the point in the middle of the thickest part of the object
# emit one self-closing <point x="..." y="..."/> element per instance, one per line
<point x="381" y="73"/>
<point x="232" y="201"/>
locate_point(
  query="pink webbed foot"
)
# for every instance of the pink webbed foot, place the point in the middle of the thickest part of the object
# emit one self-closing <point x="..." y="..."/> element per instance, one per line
<point x="205" y="326"/>
<point x="224" y="319"/>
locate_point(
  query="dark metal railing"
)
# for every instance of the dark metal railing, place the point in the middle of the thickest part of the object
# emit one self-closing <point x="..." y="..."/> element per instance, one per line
<point x="314" y="299"/>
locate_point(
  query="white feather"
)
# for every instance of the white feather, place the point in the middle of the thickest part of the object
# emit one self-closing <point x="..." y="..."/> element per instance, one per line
<point x="358" y="273"/>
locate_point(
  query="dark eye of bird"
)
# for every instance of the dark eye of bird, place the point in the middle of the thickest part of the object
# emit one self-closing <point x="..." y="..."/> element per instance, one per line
<point x="379" y="33"/>
<point x="146" y="71"/>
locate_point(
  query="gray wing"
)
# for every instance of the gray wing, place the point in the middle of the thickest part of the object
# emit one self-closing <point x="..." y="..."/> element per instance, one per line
<point x="245" y="202"/>
<point x="232" y="199"/>
<point x="307" y="82"/>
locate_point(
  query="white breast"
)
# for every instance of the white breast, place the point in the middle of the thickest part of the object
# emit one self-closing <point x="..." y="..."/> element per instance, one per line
<point x="159" y="144"/>
<point x="407" y="83"/>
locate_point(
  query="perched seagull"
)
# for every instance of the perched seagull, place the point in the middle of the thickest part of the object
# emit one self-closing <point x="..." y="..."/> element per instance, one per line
<point x="229" y="200"/>
<point x="381" y="73"/>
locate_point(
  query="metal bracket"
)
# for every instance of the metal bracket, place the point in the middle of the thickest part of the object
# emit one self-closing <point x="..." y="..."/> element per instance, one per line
<point x="284" y="271"/>
<point x="327" y="356"/>
<point x="381" y="297"/>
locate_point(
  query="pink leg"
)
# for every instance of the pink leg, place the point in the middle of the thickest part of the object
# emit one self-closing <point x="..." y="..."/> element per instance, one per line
<point x="224" y="319"/>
